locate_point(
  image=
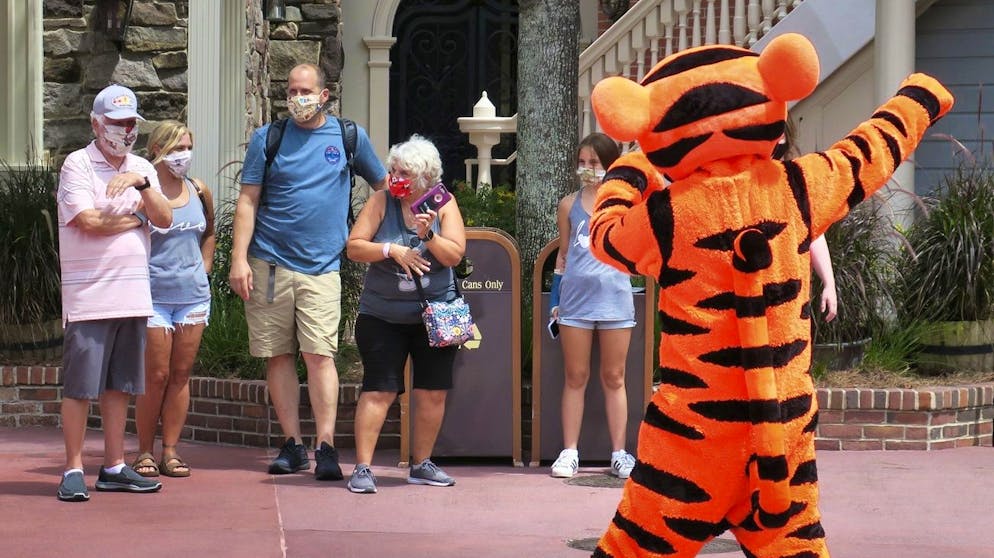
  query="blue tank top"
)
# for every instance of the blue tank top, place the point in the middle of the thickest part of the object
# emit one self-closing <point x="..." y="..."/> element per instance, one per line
<point x="591" y="289"/>
<point x="176" y="265"/>
<point x="387" y="293"/>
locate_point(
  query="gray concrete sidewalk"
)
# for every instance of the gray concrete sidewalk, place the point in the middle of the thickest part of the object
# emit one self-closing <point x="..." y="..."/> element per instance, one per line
<point x="876" y="504"/>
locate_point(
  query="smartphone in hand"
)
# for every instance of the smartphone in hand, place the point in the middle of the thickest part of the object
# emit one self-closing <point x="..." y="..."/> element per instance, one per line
<point x="433" y="199"/>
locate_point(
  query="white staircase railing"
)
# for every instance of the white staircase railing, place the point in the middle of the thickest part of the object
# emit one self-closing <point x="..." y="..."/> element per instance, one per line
<point x="653" y="29"/>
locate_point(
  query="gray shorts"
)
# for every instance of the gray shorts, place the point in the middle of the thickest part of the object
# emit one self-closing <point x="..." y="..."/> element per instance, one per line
<point x="99" y="355"/>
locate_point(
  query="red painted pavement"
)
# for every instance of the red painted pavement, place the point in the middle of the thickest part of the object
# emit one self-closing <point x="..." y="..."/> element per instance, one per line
<point x="876" y="504"/>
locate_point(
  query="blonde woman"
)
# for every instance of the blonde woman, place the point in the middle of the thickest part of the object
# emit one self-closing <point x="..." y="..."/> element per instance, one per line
<point x="179" y="265"/>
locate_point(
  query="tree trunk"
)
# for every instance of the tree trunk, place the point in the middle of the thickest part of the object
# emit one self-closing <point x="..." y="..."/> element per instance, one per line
<point x="548" y="60"/>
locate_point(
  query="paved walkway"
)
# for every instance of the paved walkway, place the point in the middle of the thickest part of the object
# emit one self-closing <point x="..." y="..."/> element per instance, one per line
<point x="876" y="504"/>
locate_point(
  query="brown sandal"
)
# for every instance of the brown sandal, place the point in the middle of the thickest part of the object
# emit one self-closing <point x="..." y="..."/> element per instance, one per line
<point x="146" y="461"/>
<point x="169" y="467"/>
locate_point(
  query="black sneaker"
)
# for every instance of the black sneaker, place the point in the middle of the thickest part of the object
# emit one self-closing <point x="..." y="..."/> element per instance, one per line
<point x="292" y="458"/>
<point x="73" y="488"/>
<point x="128" y="480"/>
<point x="327" y="467"/>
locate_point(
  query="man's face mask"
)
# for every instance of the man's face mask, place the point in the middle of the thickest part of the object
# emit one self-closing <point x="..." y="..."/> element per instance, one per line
<point x="589" y="176"/>
<point x="303" y="107"/>
<point x="179" y="162"/>
<point x="118" y="140"/>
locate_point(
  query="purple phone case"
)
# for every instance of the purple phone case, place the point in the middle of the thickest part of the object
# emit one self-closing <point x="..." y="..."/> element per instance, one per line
<point x="433" y="199"/>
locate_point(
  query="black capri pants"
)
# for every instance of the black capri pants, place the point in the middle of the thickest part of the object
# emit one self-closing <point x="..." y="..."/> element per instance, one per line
<point x="384" y="348"/>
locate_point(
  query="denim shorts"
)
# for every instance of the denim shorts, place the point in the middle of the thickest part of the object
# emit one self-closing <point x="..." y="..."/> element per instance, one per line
<point x="597" y="324"/>
<point x="171" y="315"/>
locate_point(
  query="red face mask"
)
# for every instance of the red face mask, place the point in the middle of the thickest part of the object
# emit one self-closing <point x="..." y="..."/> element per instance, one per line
<point x="400" y="188"/>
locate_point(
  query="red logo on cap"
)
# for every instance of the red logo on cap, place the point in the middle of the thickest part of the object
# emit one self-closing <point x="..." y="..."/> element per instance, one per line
<point x="121" y="101"/>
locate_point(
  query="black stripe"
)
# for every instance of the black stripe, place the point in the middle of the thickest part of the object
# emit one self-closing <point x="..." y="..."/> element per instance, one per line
<point x="669" y="277"/>
<point x="736" y="410"/>
<point x="754" y="357"/>
<point x="670" y="156"/>
<point x="894" y="119"/>
<point x="799" y="188"/>
<point x="654" y="416"/>
<point x="893" y="147"/>
<point x="643" y="538"/>
<point x="758" y="132"/>
<point x="674" y="326"/>
<point x="778" y="520"/>
<point x="863" y="146"/>
<point x="725" y="240"/>
<point x="805" y="246"/>
<point x="805" y="312"/>
<point x="614" y="202"/>
<point x="795" y="407"/>
<point x="600" y="553"/>
<point x="757" y="411"/>
<point x="705" y="101"/>
<point x="720" y="301"/>
<point x="777" y="294"/>
<point x="668" y="484"/>
<point x="680" y="379"/>
<point x="616" y="255"/>
<point x="633" y="176"/>
<point x="923" y="97"/>
<point x="812" y="424"/>
<point x="858" y="194"/>
<point x="754" y="252"/>
<point x="808" y="532"/>
<point x="690" y="60"/>
<point x="659" y="207"/>
<point x="806" y="473"/>
<point x="772" y="468"/>
<point x="691" y="529"/>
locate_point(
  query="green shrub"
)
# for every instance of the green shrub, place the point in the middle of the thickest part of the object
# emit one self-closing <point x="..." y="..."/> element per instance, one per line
<point x="487" y="207"/>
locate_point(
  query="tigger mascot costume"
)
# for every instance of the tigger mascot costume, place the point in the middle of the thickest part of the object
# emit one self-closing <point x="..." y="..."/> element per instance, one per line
<point x="727" y="442"/>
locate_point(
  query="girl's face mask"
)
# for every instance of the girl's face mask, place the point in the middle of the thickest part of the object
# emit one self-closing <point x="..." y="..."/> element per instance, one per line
<point x="179" y="162"/>
<point x="118" y="140"/>
<point x="303" y="107"/>
<point x="589" y="176"/>
<point x="400" y="187"/>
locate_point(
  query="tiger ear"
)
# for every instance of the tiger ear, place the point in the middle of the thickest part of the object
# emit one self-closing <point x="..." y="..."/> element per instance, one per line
<point x="621" y="107"/>
<point x="789" y="66"/>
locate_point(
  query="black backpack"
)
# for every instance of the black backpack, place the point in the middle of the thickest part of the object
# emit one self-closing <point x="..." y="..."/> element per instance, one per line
<point x="350" y="136"/>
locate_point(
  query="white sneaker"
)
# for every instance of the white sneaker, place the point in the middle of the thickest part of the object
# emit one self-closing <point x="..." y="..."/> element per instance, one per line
<point x="622" y="465"/>
<point x="566" y="464"/>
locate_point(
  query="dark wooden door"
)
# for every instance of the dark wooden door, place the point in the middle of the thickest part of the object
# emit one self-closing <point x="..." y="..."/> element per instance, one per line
<point x="447" y="53"/>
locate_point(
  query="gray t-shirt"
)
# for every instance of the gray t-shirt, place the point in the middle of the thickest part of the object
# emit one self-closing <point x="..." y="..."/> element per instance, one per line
<point x="387" y="293"/>
<point x="176" y="264"/>
<point x="591" y="289"/>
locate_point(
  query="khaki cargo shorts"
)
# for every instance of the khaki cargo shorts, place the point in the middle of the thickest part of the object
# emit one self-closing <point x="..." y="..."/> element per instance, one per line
<point x="288" y="310"/>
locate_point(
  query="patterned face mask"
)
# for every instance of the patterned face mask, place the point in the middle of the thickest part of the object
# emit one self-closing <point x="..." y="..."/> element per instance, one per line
<point x="589" y="176"/>
<point x="400" y="188"/>
<point x="179" y="162"/>
<point x="118" y="140"/>
<point x="303" y="107"/>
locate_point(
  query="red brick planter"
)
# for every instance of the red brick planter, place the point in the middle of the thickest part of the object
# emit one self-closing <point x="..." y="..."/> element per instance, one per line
<point x="236" y="412"/>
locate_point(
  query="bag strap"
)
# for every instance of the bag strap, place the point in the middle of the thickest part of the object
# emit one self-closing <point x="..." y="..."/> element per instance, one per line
<point x="274" y="137"/>
<point x="403" y="231"/>
<point x="350" y="138"/>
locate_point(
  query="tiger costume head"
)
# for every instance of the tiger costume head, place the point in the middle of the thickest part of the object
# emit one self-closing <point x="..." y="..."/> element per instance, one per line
<point x="708" y="103"/>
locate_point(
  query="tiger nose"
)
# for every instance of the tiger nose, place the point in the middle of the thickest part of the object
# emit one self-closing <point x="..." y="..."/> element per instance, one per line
<point x="752" y="251"/>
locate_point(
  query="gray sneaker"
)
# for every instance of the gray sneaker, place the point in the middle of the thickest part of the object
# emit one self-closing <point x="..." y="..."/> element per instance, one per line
<point x="128" y="480"/>
<point x="362" y="481"/>
<point x="73" y="488"/>
<point x="428" y="473"/>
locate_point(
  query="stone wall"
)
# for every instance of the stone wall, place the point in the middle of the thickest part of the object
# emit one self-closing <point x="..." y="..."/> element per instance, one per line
<point x="80" y="61"/>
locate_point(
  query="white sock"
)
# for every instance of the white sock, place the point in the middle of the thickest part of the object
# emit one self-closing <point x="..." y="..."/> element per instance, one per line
<point x="66" y="474"/>
<point x="616" y="455"/>
<point x="572" y="452"/>
<point x="115" y="470"/>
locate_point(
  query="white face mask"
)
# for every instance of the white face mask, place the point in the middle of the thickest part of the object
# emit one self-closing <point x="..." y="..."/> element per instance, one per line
<point x="589" y="176"/>
<point x="303" y="107"/>
<point x="179" y="162"/>
<point x="117" y="140"/>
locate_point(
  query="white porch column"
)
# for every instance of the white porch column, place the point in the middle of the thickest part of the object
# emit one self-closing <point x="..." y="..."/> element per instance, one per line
<point x="216" y="95"/>
<point x="893" y="60"/>
<point x="379" y="92"/>
<point x="21" y="60"/>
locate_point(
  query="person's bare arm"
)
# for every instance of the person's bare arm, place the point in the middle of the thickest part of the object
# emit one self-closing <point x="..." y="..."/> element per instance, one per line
<point x="208" y="241"/>
<point x="94" y="221"/>
<point x="240" y="275"/>
<point x="821" y="262"/>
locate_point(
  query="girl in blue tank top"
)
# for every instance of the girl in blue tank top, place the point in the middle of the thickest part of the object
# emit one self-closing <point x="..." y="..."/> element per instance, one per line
<point x="179" y="264"/>
<point x="590" y="298"/>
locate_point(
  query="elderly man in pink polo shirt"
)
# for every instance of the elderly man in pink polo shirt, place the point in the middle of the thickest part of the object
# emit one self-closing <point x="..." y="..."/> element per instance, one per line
<point x="106" y="198"/>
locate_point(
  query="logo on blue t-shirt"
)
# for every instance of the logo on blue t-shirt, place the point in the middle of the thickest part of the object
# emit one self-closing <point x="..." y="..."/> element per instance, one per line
<point x="332" y="155"/>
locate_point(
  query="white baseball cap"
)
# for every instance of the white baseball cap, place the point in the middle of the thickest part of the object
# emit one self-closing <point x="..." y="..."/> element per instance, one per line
<point x="116" y="102"/>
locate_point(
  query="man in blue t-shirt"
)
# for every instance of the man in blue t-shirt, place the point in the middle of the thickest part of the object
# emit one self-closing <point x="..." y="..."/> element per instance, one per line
<point x="285" y="257"/>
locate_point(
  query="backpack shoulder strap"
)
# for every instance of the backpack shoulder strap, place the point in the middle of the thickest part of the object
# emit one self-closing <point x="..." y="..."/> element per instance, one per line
<point x="350" y="138"/>
<point x="274" y="137"/>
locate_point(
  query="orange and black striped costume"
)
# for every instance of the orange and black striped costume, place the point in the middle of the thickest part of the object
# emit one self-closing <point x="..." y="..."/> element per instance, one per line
<point x="727" y="442"/>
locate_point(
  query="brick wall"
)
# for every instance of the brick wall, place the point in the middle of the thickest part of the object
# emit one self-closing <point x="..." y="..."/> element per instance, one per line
<point x="236" y="412"/>
<point x="233" y="412"/>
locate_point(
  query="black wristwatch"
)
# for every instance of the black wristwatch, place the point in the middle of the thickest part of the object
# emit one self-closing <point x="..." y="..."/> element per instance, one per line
<point x="428" y="236"/>
<point x="143" y="185"/>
